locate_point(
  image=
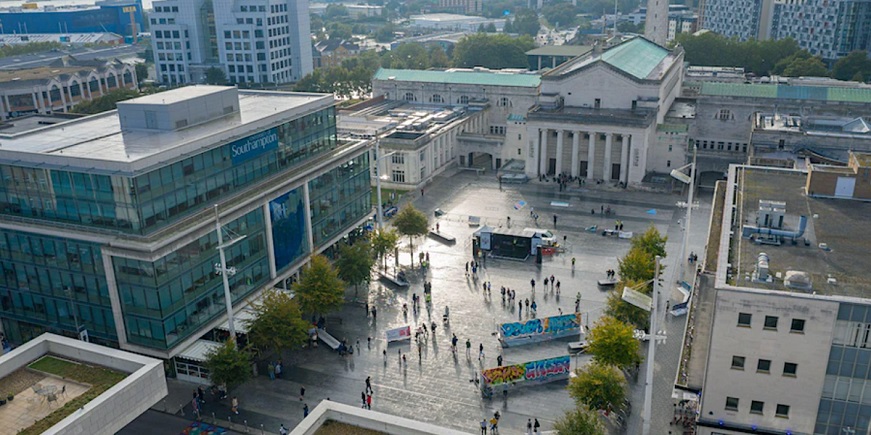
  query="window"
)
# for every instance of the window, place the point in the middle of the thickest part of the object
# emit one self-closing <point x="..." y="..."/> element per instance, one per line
<point x="504" y="102"/>
<point x="668" y="164"/>
<point x="725" y="115"/>
<point x="744" y="319"/>
<point x="398" y="176"/>
<point x="789" y="369"/>
<point x="797" y="326"/>
<point x="464" y="99"/>
<point x="771" y="322"/>
<point x="436" y="98"/>
<point x="763" y="366"/>
<point x="409" y="96"/>
<point x="782" y="411"/>
<point x="738" y="362"/>
<point x="756" y="407"/>
<point x="398" y="158"/>
<point x="597" y="103"/>
<point x="732" y="403"/>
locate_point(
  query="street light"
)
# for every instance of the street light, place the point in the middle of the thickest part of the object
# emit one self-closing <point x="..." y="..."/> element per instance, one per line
<point x="378" y="157"/>
<point x="651" y="353"/>
<point x="225" y="272"/>
<point x="689" y="180"/>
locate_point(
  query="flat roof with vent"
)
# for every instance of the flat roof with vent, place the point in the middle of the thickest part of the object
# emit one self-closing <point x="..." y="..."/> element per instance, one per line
<point x="153" y="130"/>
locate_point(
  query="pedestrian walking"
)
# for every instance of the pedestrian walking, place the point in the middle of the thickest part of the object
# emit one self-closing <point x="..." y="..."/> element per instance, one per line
<point x="552" y="282"/>
<point x="483" y="426"/>
<point x="468" y="348"/>
<point x="554" y="220"/>
<point x="454" y="341"/>
<point x="499" y="360"/>
<point x="480" y="351"/>
<point x="529" y="426"/>
<point x="545" y="283"/>
<point x="368" y="401"/>
<point x="234" y="405"/>
<point x="536" y="426"/>
<point x="532" y="283"/>
<point x="304" y="410"/>
<point x="301" y="393"/>
<point x="271" y="370"/>
<point x="369" y="384"/>
<point x="282" y="430"/>
<point x="363" y="399"/>
<point x="557" y="287"/>
<point x="520" y="306"/>
<point x="385" y="356"/>
<point x="374" y="313"/>
<point x="278" y="368"/>
<point x="467" y="268"/>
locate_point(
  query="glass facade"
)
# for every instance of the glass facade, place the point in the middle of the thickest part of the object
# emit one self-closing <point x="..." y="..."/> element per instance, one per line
<point x="846" y="397"/>
<point x="339" y="198"/>
<point x="52" y="282"/>
<point x="155" y="199"/>
<point x="166" y="300"/>
<point x="289" y="235"/>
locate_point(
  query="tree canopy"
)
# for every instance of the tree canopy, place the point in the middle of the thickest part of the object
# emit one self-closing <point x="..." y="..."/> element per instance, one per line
<point x="580" y="421"/>
<point x="651" y="242"/>
<point x="216" y="76"/>
<point x="492" y="51"/>
<point x="854" y="66"/>
<point x="106" y="102"/>
<point x="623" y="311"/>
<point x="384" y="242"/>
<point x="525" y="23"/>
<point x="33" y="47"/>
<point x="411" y="222"/>
<point x="141" y="72"/>
<point x="612" y="342"/>
<point x="561" y="14"/>
<point x="228" y="365"/>
<point x="598" y="386"/>
<point x="319" y="289"/>
<point x="757" y="57"/>
<point x="277" y="324"/>
<point x="355" y="263"/>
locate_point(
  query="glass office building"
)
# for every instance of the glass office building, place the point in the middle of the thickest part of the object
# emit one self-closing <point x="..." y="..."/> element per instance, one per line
<point x="114" y="214"/>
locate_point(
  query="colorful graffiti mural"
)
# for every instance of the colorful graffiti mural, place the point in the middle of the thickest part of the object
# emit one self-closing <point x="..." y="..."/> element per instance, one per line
<point x="535" y="330"/>
<point x="541" y="371"/>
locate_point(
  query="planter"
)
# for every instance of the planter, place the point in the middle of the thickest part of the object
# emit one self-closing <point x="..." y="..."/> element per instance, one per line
<point x="10" y="397"/>
<point x="2" y="402"/>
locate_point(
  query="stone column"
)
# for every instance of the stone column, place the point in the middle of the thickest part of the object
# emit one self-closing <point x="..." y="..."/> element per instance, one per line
<point x="575" y="157"/>
<point x="624" y="160"/>
<point x="559" y="152"/>
<point x="606" y="163"/>
<point x="591" y="155"/>
<point x="542" y="151"/>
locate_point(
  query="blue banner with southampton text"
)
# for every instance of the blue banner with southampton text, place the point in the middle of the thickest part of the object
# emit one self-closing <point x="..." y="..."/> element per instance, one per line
<point x="253" y="146"/>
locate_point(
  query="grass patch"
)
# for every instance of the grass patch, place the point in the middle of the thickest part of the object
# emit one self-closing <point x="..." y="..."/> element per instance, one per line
<point x="99" y="378"/>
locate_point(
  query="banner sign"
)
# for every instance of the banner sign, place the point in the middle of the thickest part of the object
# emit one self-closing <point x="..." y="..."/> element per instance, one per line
<point x="253" y="146"/>
<point x="399" y="334"/>
<point x="541" y="371"/>
<point x="536" y="330"/>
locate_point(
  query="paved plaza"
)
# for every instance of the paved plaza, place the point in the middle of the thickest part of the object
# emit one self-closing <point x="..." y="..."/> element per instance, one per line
<point x="436" y="387"/>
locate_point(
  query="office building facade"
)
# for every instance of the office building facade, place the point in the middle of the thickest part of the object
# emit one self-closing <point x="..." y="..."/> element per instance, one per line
<point x="122" y="243"/>
<point x="266" y="41"/>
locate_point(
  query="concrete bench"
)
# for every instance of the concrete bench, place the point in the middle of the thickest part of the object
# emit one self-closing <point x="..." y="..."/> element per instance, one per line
<point x="328" y="339"/>
<point x="393" y="280"/>
<point x="606" y="282"/>
<point x="438" y="235"/>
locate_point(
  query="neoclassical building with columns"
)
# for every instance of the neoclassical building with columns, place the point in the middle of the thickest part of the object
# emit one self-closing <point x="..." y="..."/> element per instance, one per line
<point x="597" y="115"/>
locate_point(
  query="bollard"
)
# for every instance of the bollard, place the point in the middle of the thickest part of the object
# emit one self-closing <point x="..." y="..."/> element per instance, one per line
<point x="214" y="420"/>
<point x="229" y="419"/>
<point x="165" y="407"/>
<point x="261" y="429"/>
<point x="181" y="409"/>
<point x="246" y="426"/>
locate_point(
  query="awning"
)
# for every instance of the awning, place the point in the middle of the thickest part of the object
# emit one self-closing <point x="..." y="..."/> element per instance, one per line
<point x="240" y="321"/>
<point x="198" y="351"/>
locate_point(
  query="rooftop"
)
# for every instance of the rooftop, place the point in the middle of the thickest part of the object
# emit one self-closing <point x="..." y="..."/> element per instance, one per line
<point x="67" y="38"/>
<point x="560" y="50"/>
<point x="448" y="17"/>
<point x="638" y="57"/>
<point x="98" y="143"/>
<point x="640" y="117"/>
<point x="836" y="222"/>
<point x="788" y="92"/>
<point x="459" y="77"/>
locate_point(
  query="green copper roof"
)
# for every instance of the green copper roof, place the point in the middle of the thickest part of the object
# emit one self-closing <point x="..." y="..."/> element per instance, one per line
<point x="460" y="77"/>
<point x="638" y="57"/>
<point x="787" y="92"/>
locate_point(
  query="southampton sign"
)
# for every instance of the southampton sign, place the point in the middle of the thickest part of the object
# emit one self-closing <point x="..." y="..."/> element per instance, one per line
<point x="253" y="146"/>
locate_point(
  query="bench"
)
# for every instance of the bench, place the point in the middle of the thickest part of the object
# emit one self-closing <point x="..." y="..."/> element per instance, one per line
<point x="438" y="235"/>
<point x="328" y="339"/>
<point x="395" y="281"/>
<point x="606" y="282"/>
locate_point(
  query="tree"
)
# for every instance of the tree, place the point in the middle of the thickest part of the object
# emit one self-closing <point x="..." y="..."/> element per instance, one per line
<point x="637" y="265"/>
<point x="810" y="67"/>
<point x="563" y="14"/>
<point x="355" y="263"/>
<point x="106" y="102"/>
<point x="383" y="243"/>
<point x="141" y="72"/>
<point x="757" y="57"/>
<point x="598" y="386"/>
<point x="334" y="11"/>
<point x="32" y="47"/>
<point x="386" y="33"/>
<point x="411" y="222"/>
<point x="855" y="65"/>
<point x="492" y="51"/>
<point x="491" y="28"/>
<point x="579" y="421"/>
<point x="651" y="242"/>
<point x="612" y="342"/>
<point x="438" y="58"/>
<point x="407" y="56"/>
<point x="319" y="289"/>
<point x="216" y="76"/>
<point x="228" y="365"/>
<point x="623" y="311"/>
<point x="526" y="22"/>
<point x="277" y="324"/>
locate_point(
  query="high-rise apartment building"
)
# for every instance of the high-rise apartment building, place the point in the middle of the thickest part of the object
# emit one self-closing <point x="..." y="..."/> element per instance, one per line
<point x="827" y="28"/>
<point x="107" y="223"/>
<point x="255" y="41"/>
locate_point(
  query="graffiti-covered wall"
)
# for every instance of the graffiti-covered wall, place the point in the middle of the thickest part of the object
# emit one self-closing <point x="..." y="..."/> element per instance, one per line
<point x="541" y="371"/>
<point x="535" y="330"/>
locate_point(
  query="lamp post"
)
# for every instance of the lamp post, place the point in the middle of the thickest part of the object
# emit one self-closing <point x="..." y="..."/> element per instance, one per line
<point x="651" y="353"/>
<point x="691" y="184"/>
<point x="225" y="272"/>
<point x="378" y="182"/>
